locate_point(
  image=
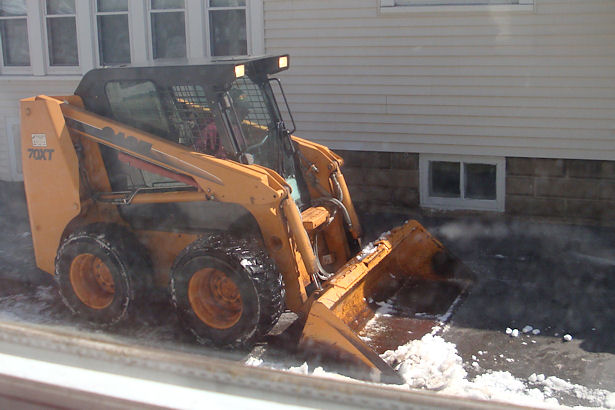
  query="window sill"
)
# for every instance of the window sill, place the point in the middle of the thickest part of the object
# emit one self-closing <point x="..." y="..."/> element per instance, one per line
<point x="481" y="8"/>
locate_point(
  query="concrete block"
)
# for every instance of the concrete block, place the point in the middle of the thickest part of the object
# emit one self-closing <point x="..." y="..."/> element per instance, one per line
<point x="520" y="185"/>
<point x="353" y="176"/>
<point x="392" y="178"/>
<point x="371" y="194"/>
<point x="404" y="160"/>
<point x="582" y="208"/>
<point x="607" y="216"/>
<point x="590" y="169"/>
<point x="366" y="159"/>
<point x="377" y="177"/>
<point x="567" y="188"/>
<point x="584" y="168"/>
<point x="523" y="205"/>
<point x="405" y="178"/>
<point x="549" y="167"/>
<point x="405" y="197"/>
<point x="607" y="190"/>
<point x="520" y="166"/>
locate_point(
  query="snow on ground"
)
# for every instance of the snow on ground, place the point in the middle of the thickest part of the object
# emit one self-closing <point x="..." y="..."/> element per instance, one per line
<point x="433" y="364"/>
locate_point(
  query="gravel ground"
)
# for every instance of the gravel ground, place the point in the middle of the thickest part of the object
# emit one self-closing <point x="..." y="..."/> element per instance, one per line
<point x="557" y="278"/>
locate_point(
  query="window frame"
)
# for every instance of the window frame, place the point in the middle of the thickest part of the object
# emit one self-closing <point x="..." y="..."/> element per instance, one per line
<point x="207" y="9"/>
<point x="196" y="18"/>
<point x="96" y="13"/>
<point x="11" y="69"/>
<point x="149" y="11"/>
<point x="60" y="69"/>
<point x="462" y="203"/>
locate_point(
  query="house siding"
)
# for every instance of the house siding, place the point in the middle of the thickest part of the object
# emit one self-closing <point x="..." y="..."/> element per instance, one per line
<point x="537" y="84"/>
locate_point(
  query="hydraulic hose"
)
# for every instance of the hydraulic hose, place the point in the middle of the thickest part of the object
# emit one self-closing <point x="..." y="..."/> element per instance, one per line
<point x="322" y="273"/>
<point x="339" y="205"/>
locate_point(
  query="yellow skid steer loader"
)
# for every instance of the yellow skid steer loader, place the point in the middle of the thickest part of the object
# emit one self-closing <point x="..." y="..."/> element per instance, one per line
<point x="187" y="176"/>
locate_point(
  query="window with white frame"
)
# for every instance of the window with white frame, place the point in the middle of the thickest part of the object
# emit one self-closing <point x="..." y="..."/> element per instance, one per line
<point x="14" y="33"/>
<point x="61" y="23"/>
<point x="227" y="27"/>
<point x="168" y="28"/>
<point x="113" y="33"/>
<point x="72" y="36"/>
<point x="462" y="182"/>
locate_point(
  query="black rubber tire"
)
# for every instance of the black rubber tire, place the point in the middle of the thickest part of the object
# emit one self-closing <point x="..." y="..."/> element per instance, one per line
<point x="125" y="259"/>
<point x="252" y="271"/>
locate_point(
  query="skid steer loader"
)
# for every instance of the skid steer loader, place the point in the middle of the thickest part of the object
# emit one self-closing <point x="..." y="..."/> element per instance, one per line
<point x="187" y="176"/>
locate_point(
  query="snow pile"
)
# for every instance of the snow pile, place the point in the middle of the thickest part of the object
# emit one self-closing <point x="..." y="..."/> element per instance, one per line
<point x="430" y="363"/>
<point x="366" y="251"/>
<point x="434" y="364"/>
<point x="254" y="361"/>
<point x="553" y="385"/>
<point x="318" y="372"/>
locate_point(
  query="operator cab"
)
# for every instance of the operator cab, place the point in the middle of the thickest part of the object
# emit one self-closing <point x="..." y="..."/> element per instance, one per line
<point x="226" y="109"/>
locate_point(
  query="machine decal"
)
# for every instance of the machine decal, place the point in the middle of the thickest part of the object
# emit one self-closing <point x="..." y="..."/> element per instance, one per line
<point x="138" y="146"/>
<point x="40" y="154"/>
<point x="39" y="140"/>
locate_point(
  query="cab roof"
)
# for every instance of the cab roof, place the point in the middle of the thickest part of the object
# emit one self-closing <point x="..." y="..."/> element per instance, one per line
<point x="219" y="73"/>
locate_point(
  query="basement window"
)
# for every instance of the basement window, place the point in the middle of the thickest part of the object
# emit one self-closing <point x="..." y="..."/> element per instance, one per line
<point x="437" y="6"/>
<point x="462" y="182"/>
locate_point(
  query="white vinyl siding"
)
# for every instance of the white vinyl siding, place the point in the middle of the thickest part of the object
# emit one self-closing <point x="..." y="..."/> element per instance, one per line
<point x="534" y="84"/>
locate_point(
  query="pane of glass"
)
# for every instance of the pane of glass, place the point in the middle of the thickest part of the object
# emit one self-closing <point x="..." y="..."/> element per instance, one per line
<point x="12" y="7"/>
<point x="60" y="7"/>
<point x="15" y="48"/>
<point x="167" y="4"/>
<point x="113" y="39"/>
<point x="227" y="30"/>
<point x="480" y="181"/>
<point x="137" y="103"/>
<point x="112" y="5"/>
<point x="227" y="3"/>
<point x="168" y="35"/>
<point x="62" y="38"/>
<point x="444" y="178"/>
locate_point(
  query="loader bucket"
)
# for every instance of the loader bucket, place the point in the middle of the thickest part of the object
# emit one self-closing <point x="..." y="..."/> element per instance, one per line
<point x="407" y="272"/>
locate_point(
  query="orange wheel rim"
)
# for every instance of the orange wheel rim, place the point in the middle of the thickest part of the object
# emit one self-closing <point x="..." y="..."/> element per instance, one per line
<point x="215" y="298"/>
<point x="92" y="281"/>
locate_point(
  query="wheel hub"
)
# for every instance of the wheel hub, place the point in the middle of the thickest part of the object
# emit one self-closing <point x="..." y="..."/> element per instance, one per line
<point x="92" y="281"/>
<point x="215" y="298"/>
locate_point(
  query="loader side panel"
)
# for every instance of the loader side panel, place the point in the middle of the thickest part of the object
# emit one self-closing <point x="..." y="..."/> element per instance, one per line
<point x="51" y="175"/>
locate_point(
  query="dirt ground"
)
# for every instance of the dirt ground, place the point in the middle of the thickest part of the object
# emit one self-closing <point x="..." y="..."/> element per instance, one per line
<point x="555" y="277"/>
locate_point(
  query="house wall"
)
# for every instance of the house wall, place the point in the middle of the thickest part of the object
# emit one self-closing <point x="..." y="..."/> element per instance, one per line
<point x="574" y="190"/>
<point x="532" y="84"/>
<point x="513" y="83"/>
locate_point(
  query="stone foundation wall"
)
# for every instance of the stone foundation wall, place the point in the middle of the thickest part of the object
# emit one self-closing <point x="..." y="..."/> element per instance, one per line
<point x="382" y="179"/>
<point x="575" y="190"/>
<point x="569" y="189"/>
